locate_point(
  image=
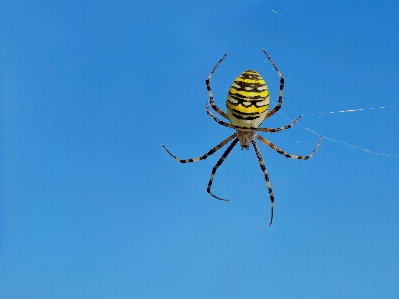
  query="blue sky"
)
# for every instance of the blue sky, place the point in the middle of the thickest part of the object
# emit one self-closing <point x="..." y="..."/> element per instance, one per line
<point x="91" y="205"/>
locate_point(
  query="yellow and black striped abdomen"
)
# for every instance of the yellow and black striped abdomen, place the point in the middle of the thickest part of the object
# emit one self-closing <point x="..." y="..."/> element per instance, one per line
<point x="248" y="100"/>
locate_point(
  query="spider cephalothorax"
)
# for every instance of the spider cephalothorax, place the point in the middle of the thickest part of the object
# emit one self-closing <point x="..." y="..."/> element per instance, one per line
<point x="247" y="107"/>
<point x="245" y="138"/>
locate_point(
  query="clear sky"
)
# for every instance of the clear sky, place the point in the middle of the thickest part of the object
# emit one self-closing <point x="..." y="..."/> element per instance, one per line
<point x="91" y="206"/>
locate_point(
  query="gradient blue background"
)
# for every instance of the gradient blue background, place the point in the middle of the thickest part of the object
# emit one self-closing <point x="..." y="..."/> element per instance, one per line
<point x="93" y="207"/>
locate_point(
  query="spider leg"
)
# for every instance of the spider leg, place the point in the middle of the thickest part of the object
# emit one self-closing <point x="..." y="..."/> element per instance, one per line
<point x="280" y="95"/>
<point x="212" y="151"/>
<point x="208" y="86"/>
<point x="281" y="152"/>
<point x="218" y="163"/>
<point x="269" y="186"/>
<point x="281" y="128"/>
<point x="219" y="121"/>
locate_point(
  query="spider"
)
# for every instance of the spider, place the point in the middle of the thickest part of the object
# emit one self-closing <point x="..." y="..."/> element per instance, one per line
<point x="247" y="107"/>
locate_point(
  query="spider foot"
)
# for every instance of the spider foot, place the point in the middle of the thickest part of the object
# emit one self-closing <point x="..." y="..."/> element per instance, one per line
<point x="211" y="194"/>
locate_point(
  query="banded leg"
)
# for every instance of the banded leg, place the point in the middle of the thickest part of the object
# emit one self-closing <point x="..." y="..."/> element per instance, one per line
<point x="281" y="128"/>
<point x="269" y="186"/>
<point x="280" y="95"/>
<point x="212" y="151"/>
<point x="222" y="158"/>
<point x="281" y="152"/>
<point x="208" y="86"/>
<point x="219" y="121"/>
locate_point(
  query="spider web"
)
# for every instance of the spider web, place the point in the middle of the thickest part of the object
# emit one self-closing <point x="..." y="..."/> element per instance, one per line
<point x="342" y="142"/>
<point x="369" y="109"/>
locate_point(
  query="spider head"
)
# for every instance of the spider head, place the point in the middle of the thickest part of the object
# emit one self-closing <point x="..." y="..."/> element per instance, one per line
<point x="245" y="138"/>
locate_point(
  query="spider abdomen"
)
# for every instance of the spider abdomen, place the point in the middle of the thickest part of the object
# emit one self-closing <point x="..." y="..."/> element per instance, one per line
<point x="247" y="100"/>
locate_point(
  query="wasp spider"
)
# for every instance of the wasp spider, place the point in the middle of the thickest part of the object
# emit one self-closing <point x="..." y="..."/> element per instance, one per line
<point x="247" y="107"/>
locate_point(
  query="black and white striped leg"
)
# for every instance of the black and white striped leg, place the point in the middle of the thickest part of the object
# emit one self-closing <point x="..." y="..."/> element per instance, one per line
<point x="281" y="152"/>
<point x="222" y="158"/>
<point x="212" y="151"/>
<point x="217" y="120"/>
<point x="208" y="86"/>
<point x="280" y="95"/>
<point x="269" y="186"/>
<point x="281" y="128"/>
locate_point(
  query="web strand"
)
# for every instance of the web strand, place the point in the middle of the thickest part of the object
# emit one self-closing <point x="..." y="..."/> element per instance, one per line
<point x="341" y="142"/>
<point x="349" y="110"/>
<point x="292" y="21"/>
